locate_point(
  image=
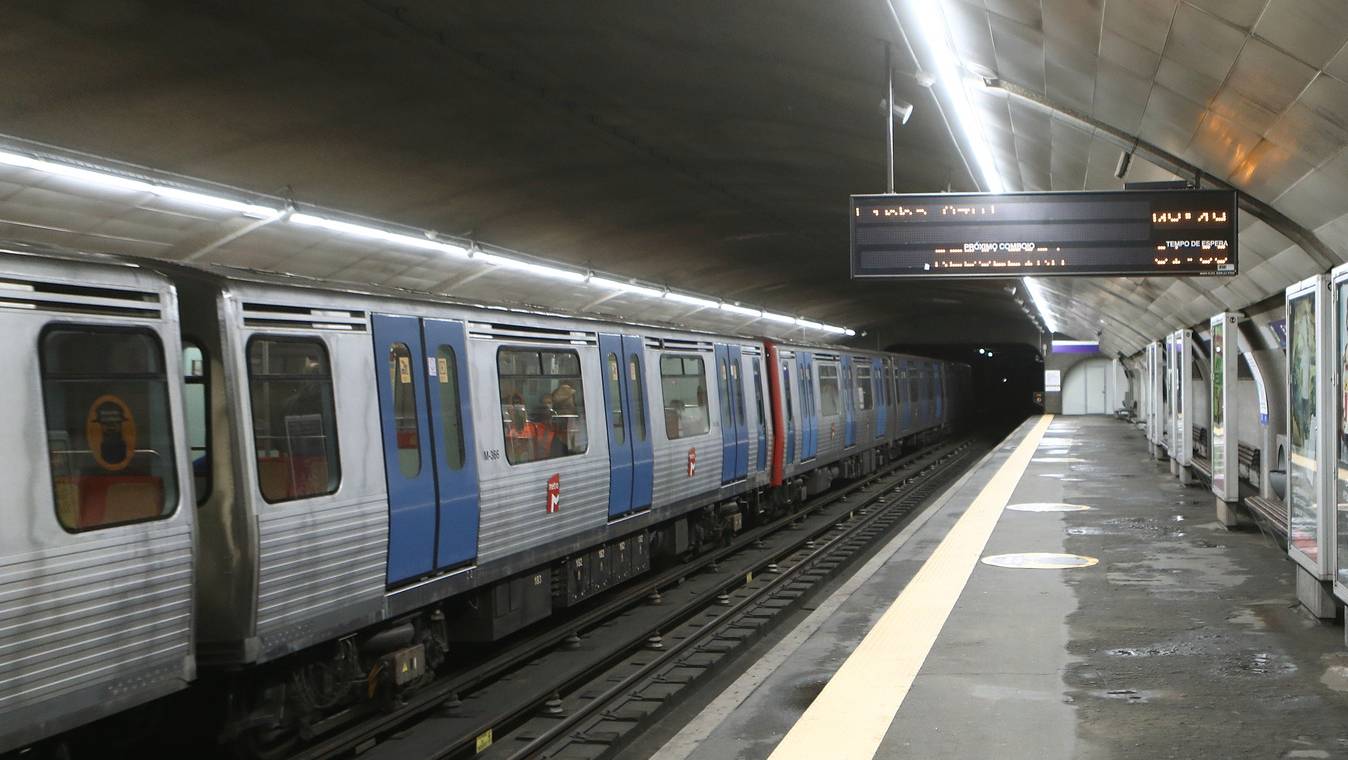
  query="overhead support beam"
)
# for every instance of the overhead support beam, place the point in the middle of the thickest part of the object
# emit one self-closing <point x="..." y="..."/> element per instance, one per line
<point x="1322" y="254"/>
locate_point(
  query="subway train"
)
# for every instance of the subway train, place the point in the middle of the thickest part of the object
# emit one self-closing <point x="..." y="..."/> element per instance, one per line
<point x="315" y="494"/>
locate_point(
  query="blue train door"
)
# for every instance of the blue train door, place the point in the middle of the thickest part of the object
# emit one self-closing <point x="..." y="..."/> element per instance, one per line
<point x="849" y="414"/>
<point x="623" y="425"/>
<point x="407" y="447"/>
<point x="451" y="421"/>
<point x="735" y="357"/>
<point x="639" y="422"/>
<point x="762" y="415"/>
<point x="881" y="396"/>
<point x="809" y="421"/>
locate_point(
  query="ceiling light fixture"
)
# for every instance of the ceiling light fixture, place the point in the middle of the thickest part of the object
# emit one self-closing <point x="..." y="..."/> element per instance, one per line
<point x="1040" y="302"/>
<point x="935" y="32"/>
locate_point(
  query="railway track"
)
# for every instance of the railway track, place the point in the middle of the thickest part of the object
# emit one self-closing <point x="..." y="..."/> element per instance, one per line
<point x="581" y="688"/>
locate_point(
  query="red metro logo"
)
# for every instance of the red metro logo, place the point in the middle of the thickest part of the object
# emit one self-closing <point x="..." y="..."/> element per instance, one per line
<point x="555" y="493"/>
<point x="692" y="462"/>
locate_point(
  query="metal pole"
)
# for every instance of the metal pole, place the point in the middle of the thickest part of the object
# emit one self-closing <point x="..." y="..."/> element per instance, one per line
<point x="889" y="118"/>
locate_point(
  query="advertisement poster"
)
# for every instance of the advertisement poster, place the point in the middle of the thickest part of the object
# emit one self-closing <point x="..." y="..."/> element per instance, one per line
<point x="1341" y="429"/>
<point x="1218" y="454"/>
<point x="1303" y="506"/>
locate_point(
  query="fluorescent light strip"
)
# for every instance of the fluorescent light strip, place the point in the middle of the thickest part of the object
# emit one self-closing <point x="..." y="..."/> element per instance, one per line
<point x="112" y="181"/>
<point x="935" y="31"/>
<point x="1040" y="302"/>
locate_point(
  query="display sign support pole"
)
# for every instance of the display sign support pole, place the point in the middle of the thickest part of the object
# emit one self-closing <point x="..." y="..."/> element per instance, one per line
<point x="1222" y="427"/>
<point x="889" y="119"/>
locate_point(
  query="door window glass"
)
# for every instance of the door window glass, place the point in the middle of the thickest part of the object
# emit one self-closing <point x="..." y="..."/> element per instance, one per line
<point x="404" y="410"/>
<point x="635" y="382"/>
<point x="613" y="374"/>
<point x="451" y="409"/>
<point x="109" y="437"/>
<point x="737" y="391"/>
<point x="758" y="394"/>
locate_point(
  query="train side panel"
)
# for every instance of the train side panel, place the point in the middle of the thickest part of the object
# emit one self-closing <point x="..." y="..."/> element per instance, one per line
<point x="96" y="556"/>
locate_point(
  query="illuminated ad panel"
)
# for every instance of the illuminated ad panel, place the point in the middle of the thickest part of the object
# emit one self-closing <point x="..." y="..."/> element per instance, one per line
<point x="1127" y="232"/>
<point x="1310" y="424"/>
<point x="1340" y="370"/>
<point x="1223" y="453"/>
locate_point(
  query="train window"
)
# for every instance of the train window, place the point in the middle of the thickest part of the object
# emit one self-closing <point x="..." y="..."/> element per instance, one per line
<point x="613" y="373"/>
<point x="404" y="409"/>
<point x="451" y="408"/>
<point x="542" y="404"/>
<point x="294" y="418"/>
<point x="196" y="416"/>
<point x="790" y="406"/>
<point x="758" y="391"/>
<point x="737" y="390"/>
<point x="635" y="382"/>
<point x="914" y="386"/>
<point x="109" y="437"/>
<point x="828" y="390"/>
<point x="865" y="399"/>
<point x="683" y="384"/>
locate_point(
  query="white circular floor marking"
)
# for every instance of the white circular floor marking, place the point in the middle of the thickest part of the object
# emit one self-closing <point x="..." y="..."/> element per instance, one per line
<point x="1048" y="506"/>
<point x="1039" y="561"/>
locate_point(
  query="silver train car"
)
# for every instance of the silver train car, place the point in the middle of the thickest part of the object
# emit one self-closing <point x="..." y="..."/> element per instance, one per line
<point x="259" y="475"/>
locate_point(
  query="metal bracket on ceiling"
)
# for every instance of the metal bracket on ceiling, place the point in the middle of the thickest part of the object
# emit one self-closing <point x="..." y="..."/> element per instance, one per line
<point x="247" y="229"/>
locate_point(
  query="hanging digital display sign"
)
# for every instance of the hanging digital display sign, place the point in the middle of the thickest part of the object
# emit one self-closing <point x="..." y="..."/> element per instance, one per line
<point x="1125" y="232"/>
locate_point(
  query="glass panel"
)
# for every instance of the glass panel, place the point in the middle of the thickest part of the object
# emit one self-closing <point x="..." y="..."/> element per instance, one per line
<point x="542" y="404"/>
<point x="864" y="389"/>
<point x="294" y="422"/>
<point x="196" y="409"/>
<point x="758" y="394"/>
<point x="684" y="387"/>
<point x="828" y="390"/>
<point x="109" y="437"/>
<point x="1341" y="492"/>
<point x="404" y="410"/>
<point x="634" y="381"/>
<point x="613" y="375"/>
<point x="737" y="390"/>
<point x="1304" y="507"/>
<point x="451" y="410"/>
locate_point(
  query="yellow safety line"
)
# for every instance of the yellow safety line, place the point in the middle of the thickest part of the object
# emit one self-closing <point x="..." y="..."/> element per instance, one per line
<point x="850" y="717"/>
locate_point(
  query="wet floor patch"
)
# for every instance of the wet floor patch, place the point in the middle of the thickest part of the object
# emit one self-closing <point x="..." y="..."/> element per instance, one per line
<point x="1047" y="506"/>
<point x="1039" y="561"/>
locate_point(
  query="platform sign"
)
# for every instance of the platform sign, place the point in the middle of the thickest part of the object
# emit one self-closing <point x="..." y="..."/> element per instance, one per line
<point x="1340" y="490"/>
<point x="1310" y="434"/>
<point x="1120" y="232"/>
<point x="1225" y="360"/>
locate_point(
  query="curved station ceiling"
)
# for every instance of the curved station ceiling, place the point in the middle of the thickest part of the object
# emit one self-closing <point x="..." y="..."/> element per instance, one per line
<point x="709" y="148"/>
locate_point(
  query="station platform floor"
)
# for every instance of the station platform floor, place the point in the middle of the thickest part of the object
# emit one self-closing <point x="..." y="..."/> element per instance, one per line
<point x="1181" y="640"/>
